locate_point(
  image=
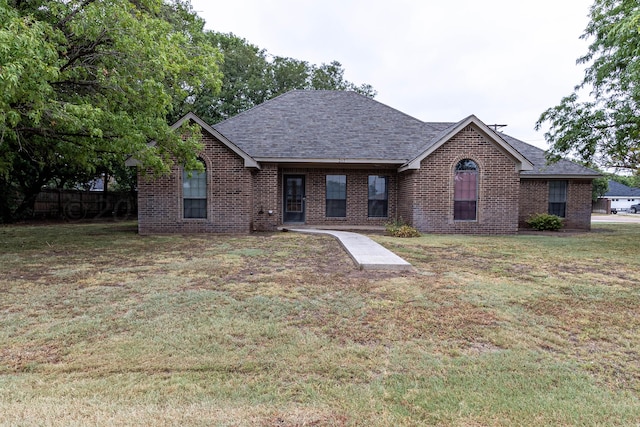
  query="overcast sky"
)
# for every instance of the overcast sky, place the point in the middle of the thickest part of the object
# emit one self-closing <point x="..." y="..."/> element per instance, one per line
<point x="505" y="61"/>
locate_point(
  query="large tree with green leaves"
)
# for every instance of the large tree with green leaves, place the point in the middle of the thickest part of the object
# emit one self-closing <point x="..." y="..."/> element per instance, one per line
<point x="83" y="83"/>
<point x="252" y="76"/>
<point x="603" y="130"/>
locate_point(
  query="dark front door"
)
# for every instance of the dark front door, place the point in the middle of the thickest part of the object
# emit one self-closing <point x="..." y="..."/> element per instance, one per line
<point x="294" y="198"/>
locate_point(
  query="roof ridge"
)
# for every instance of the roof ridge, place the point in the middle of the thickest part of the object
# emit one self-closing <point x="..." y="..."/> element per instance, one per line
<point x="382" y="104"/>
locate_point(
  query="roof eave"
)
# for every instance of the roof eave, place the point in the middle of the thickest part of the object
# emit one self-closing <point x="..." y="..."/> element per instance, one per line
<point x="329" y="160"/>
<point x="558" y="176"/>
<point x="249" y="162"/>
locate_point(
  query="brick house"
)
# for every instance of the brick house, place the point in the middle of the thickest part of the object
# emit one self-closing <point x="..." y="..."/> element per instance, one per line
<point x="334" y="158"/>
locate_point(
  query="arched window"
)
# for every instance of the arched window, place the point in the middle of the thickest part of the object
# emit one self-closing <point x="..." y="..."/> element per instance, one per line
<point x="194" y="193"/>
<point x="465" y="193"/>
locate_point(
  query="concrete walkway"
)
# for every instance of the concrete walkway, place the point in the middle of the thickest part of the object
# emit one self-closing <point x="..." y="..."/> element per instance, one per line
<point x="366" y="253"/>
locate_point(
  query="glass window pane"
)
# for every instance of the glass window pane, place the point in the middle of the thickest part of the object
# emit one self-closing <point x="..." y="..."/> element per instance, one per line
<point x="295" y="194"/>
<point x="194" y="185"/>
<point x="336" y="196"/>
<point x="557" y="191"/>
<point x="378" y="197"/>
<point x="378" y="208"/>
<point x="558" y="198"/>
<point x="194" y="193"/>
<point x="464" y="210"/>
<point x="558" y="209"/>
<point x="336" y="208"/>
<point x="466" y="165"/>
<point x="465" y="191"/>
<point x="195" y="208"/>
<point x="466" y="186"/>
<point x="377" y="187"/>
<point x="336" y="186"/>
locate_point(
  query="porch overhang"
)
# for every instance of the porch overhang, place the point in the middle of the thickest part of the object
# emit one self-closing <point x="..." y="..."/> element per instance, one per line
<point x="332" y="162"/>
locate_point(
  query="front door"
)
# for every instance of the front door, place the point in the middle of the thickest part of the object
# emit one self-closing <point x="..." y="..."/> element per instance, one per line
<point x="294" y="198"/>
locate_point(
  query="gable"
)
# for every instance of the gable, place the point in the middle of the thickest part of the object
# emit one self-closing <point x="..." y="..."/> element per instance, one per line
<point x="521" y="162"/>
<point x="249" y="162"/>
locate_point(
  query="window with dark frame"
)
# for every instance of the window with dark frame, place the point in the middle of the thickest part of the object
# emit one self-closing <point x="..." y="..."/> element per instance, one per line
<point x="336" y="196"/>
<point x="378" y="196"/>
<point x="465" y="193"/>
<point x="558" y="198"/>
<point x="194" y="193"/>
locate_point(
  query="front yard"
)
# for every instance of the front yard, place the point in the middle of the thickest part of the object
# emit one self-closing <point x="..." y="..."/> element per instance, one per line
<point x="100" y="326"/>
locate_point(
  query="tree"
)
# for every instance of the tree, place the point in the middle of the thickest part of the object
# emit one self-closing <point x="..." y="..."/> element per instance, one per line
<point x="599" y="188"/>
<point x="245" y="82"/>
<point x="84" y="83"/>
<point x="252" y="76"/>
<point x="604" y="130"/>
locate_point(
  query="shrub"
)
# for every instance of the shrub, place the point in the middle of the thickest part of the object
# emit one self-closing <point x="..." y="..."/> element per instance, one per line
<point x="544" y="222"/>
<point x="400" y="229"/>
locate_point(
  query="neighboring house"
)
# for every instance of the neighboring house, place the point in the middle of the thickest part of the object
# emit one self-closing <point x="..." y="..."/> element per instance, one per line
<point x="333" y="158"/>
<point x="622" y="196"/>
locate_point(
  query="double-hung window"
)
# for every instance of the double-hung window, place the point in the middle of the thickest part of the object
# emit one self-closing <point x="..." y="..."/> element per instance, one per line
<point x="558" y="198"/>
<point x="336" y="193"/>
<point x="194" y="193"/>
<point x="465" y="192"/>
<point x="378" y="196"/>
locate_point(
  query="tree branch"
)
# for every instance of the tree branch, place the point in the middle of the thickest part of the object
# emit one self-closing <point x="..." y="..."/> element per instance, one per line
<point x="85" y="51"/>
<point x="68" y="18"/>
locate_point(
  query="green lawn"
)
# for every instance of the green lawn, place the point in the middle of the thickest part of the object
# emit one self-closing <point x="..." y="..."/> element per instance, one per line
<point x="100" y="326"/>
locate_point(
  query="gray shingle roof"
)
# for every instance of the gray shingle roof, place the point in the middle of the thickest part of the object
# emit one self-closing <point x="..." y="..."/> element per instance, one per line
<point x="618" y="189"/>
<point x="345" y="125"/>
<point x="327" y="125"/>
<point x="540" y="166"/>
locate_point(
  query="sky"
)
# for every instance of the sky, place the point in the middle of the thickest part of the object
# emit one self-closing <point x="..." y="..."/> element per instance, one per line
<point x="504" y="61"/>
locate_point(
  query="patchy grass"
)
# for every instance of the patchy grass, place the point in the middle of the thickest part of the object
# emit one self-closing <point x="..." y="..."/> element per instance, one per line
<point x="100" y="326"/>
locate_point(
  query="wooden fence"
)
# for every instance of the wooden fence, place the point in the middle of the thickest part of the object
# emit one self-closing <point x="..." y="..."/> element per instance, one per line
<point x="601" y="206"/>
<point x="77" y="204"/>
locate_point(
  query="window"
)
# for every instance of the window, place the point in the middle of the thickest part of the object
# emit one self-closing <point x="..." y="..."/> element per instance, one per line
<point x="336" y="196"/>
<point x="558" y="198"/>
<point x="378" y="197"/>
<point x="465" y="191"/>
<point x="194" y="193"/>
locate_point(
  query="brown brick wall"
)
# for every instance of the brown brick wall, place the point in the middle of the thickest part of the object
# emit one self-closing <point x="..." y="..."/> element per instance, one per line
<point x="426" y="195"/>
<point x="579" y="195"/>
<point x="357" y="195"/>
<point x="230" y="196"/>
<point x="406" y="192"/>
<point x="240" y="198"/>
<point x="534" y="199"/>
<point x="267" y="205"/>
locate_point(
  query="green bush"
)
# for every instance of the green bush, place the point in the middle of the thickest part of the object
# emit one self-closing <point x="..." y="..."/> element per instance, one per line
<point x="545" y="222"/>
<point x="400" y="229"/>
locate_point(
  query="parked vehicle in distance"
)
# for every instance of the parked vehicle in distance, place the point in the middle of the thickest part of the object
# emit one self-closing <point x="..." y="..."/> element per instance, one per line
<point x="635" y="208"/>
